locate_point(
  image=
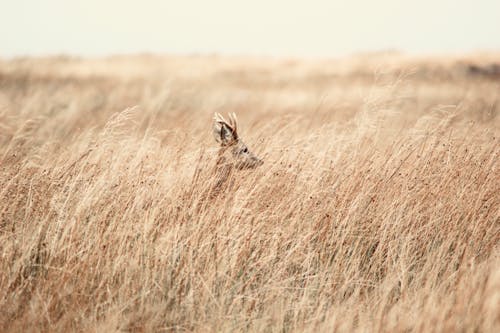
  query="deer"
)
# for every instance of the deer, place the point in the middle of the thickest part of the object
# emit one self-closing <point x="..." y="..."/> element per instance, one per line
<point x="232" y="156"/>
<point x="233" y="153"/>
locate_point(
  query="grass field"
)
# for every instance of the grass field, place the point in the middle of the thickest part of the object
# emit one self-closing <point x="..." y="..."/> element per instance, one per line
<point x="377" y="207"/>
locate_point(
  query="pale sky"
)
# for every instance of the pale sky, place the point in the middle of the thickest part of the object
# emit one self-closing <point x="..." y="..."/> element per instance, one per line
<point x="255" y="27"/>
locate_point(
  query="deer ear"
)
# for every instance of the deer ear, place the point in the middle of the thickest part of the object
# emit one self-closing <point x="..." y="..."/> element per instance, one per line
<point x="223" y="132"/>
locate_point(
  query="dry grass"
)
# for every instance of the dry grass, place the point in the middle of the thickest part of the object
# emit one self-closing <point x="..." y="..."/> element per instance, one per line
<point x="377" y="208"/>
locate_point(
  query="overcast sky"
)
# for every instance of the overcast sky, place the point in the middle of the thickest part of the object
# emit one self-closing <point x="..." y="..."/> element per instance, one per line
<point x="258" y="27"/>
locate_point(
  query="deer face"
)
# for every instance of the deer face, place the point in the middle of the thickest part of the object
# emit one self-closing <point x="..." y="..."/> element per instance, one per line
<point x="225" y="133"/>
<point x="244" y="159"/>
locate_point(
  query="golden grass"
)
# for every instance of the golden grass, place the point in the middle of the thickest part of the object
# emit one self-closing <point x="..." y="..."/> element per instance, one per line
<point x="377" y="208"/>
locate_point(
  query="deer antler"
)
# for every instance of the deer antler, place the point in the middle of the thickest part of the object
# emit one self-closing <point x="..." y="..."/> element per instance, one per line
<point x="232" y="123"/>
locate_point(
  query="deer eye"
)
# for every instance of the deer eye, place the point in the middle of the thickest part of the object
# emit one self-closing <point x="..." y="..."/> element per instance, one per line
<point x="245" y="150"/>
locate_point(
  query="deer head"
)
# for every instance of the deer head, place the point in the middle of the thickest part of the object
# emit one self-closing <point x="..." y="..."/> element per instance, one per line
<point x="226" y="134"/>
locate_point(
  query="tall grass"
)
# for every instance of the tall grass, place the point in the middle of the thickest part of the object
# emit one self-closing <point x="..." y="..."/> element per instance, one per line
<point x="377" y="208"/>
